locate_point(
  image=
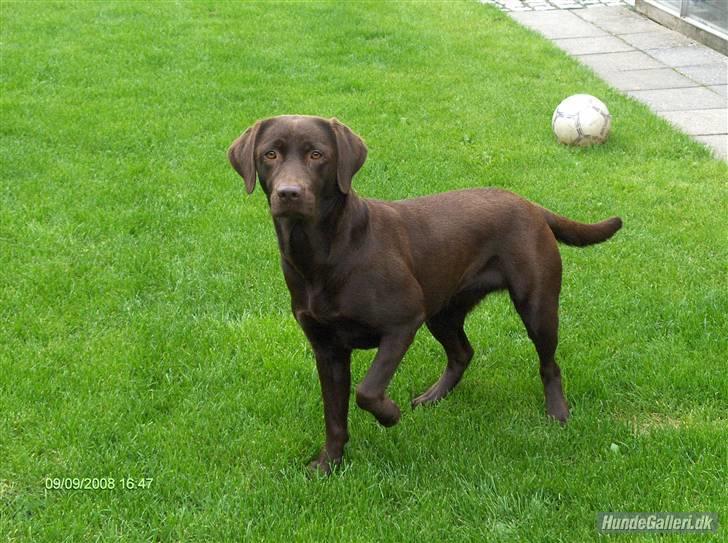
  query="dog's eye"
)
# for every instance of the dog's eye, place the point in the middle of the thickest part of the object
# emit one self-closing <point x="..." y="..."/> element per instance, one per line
<point x="316" y="155"/>
<point x="271" y="155"/>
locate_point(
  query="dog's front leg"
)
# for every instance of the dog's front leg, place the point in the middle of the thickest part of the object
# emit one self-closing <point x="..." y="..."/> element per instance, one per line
<point x="334" y="369"/>
<point x="371" y="392"/>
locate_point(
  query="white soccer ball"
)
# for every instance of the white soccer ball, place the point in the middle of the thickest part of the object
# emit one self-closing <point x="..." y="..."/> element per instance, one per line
<point x="581" y="120"/>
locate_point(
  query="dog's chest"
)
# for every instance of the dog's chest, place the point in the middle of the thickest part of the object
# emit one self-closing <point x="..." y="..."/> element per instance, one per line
<point x="322" y="312"/>
<point x="320" y="304"/>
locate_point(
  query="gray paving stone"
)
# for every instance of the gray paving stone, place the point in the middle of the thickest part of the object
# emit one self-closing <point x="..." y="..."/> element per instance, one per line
<point x="630" y="60"/>
<point x="619" y="20"/>
<point x="557" y="24"/>
<point x="597" y="44"/>
<point x="719" y="145"/>
<point x="699" y="121"/>
<point x="528" y="5"/>
<point x="656" y="40"/>
<point x="660" y="78"/>
<point x="720" y="89"/>
<point x="687" y="56"/>
<point x="710" y="74"/>
<point x="627" y="26"/>
<point x="608" y="12"/>
<point x="679" y="99"/>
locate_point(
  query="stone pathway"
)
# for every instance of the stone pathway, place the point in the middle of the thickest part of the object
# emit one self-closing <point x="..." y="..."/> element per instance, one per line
<point x="678" y="78"/>
<point x="544" y="5"/>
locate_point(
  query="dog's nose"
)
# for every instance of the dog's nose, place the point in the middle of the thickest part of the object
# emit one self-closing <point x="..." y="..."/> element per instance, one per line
<point x="289" y="192"/>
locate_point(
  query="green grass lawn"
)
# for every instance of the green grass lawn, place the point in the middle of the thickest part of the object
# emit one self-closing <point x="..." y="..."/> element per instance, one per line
<point x="146" y="329"/>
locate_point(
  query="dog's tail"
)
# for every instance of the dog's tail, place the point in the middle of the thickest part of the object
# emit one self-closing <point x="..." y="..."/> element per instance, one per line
<point x="581" y="234"/>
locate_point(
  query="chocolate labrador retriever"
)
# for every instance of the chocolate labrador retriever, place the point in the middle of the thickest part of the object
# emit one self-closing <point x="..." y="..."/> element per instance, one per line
<point x="367" y="273"/>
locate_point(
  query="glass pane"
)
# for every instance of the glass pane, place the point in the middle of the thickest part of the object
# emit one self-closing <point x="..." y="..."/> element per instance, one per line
<point x="674" y="5"/>
<point x="711" y="12"/>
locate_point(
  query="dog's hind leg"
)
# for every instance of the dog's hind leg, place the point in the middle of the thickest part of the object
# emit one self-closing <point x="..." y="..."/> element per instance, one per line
<point x="447" y="328"/>
<point x="538" y="306"/>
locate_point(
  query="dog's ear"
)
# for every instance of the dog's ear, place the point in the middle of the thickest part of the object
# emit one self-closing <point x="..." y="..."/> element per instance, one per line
<point x="241" y="156"/>
<point x="351" y="154"/>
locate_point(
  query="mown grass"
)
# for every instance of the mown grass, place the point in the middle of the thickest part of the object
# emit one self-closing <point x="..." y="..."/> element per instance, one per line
<point x="145" y="323"/>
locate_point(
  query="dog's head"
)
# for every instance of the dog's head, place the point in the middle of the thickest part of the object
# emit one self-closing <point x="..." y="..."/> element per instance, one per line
<point x="302" y="162"/>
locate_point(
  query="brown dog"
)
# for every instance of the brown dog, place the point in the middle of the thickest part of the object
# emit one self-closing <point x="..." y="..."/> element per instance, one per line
<point x="367" y="273"/>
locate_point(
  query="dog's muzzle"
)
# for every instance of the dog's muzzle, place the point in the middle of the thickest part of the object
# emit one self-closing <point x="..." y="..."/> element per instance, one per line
<point x="290" y="200"/>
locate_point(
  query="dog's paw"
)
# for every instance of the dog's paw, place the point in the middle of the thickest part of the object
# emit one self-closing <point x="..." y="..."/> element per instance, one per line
<point x="384" y="410"/>
<point x="558" y="410"/>
<point x="388" y="413"/>
<point x="323" y="465"/>
<point x="430" y="397"/>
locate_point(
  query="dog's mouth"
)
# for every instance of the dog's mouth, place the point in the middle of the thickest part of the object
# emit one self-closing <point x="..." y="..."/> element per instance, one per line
<point x="288" y="214"/>
<point x="290" y="210"/>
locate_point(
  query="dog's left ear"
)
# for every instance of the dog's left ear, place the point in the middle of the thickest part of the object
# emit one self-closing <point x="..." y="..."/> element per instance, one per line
<point x="241" y="156"/>
<point x="350" y="154"/>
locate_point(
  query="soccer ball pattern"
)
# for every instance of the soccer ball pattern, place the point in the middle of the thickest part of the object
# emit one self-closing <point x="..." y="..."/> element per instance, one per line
<point x="581" y="120"/>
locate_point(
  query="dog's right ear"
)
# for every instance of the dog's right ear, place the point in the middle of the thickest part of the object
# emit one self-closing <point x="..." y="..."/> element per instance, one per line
<point x="241" y="156"/>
